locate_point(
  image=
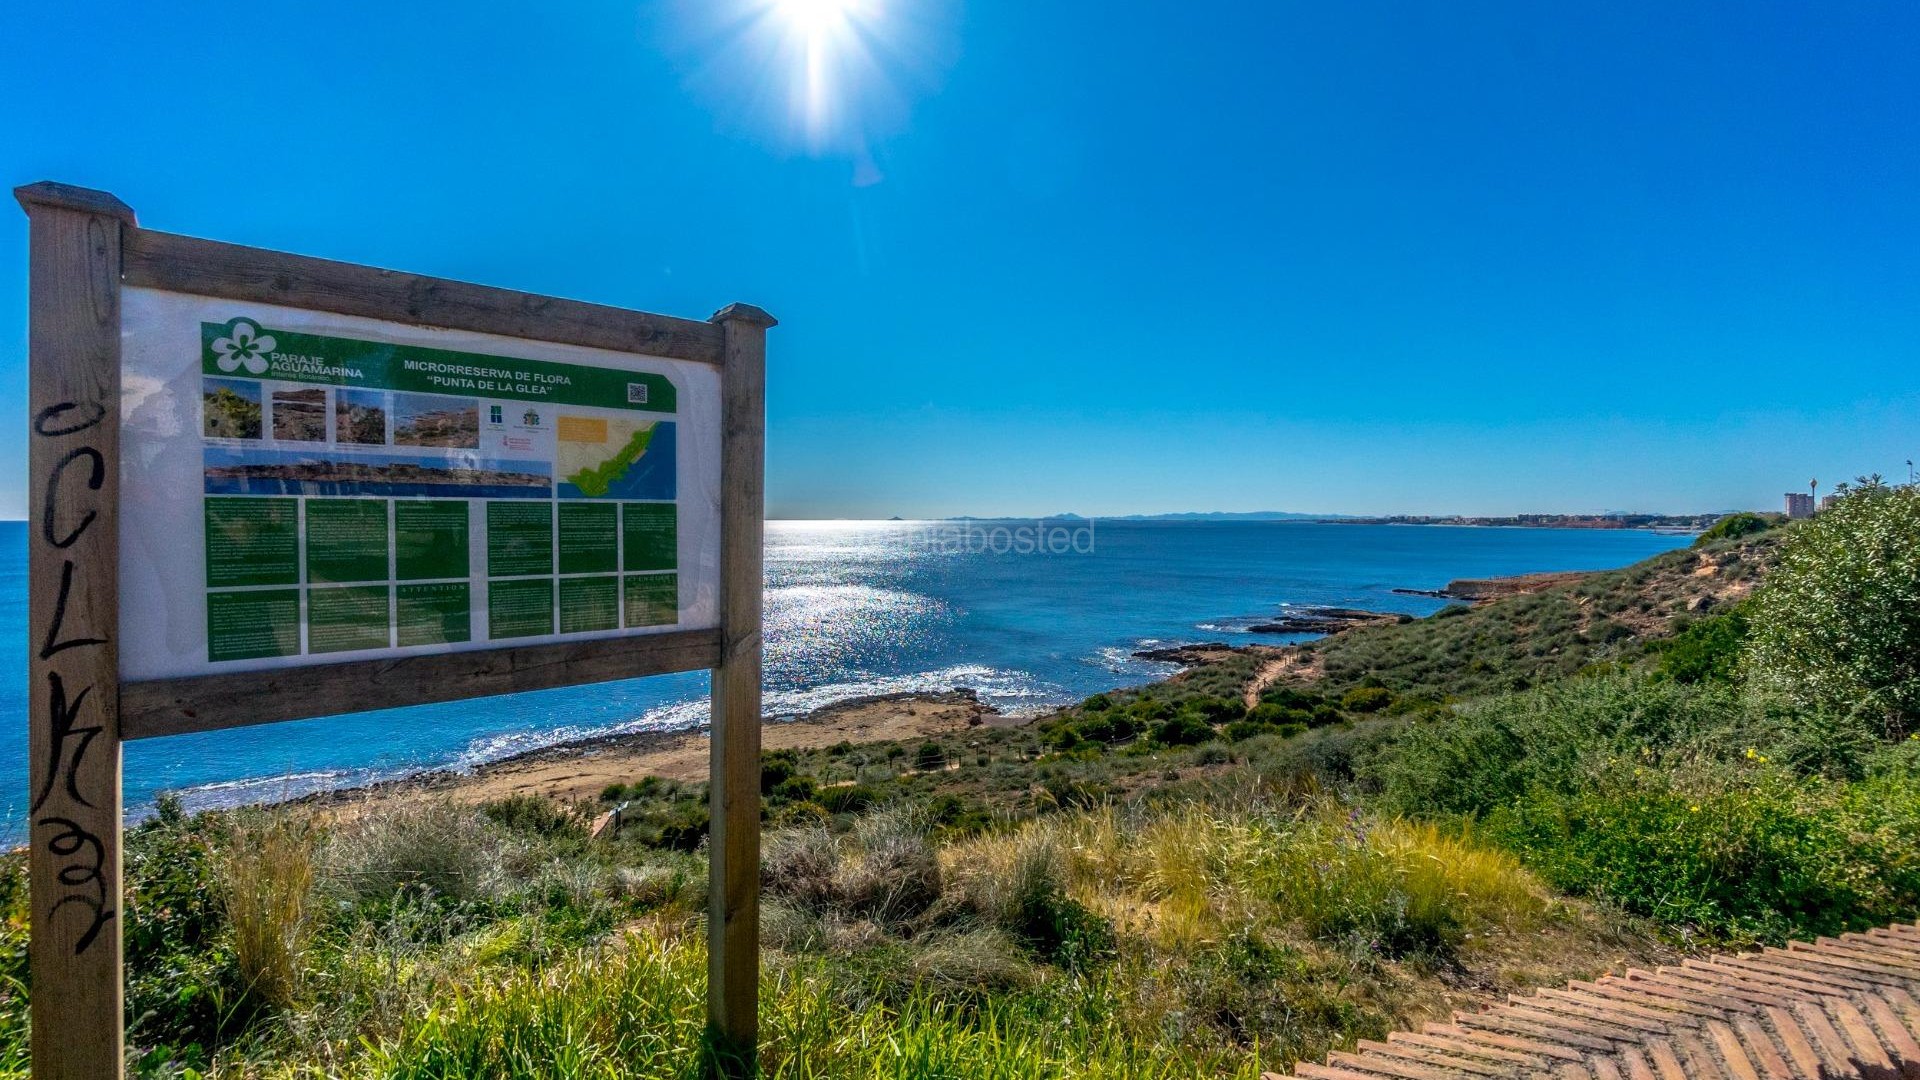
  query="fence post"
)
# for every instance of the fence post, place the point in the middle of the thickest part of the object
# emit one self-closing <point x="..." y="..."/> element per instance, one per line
<point x="733" y="848"/>
<point x="73" y="620"/>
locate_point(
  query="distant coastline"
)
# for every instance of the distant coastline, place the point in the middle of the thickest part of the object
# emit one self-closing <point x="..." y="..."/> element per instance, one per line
<point x="1677" y="523"/>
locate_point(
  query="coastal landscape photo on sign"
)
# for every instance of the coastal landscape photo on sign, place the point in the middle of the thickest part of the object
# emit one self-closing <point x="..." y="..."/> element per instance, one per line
<point x="271" y="488"/>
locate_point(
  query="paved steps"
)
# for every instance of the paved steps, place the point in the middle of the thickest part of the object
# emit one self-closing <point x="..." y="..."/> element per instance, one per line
<point x="1838" y="1007"/>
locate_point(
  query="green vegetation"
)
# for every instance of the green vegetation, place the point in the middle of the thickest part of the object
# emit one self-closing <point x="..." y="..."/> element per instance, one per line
<point x="228" y="415"/>
<point x="1839" y="625"/>
<point x="1206" y="877"/>
<point x="1737" y="527"/>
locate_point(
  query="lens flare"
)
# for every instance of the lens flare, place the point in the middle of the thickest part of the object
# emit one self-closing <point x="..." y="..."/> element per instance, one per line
<point x="838" y="74"/>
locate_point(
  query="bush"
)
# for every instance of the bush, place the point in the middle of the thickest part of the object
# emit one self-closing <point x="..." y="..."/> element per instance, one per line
<point x="1837" y="622"/>
<point x="1215" y="710"/>
<point x="1366" y="699"/>
<point x="847" y="798"/>
<point x="435" y="849"/>
<point x="1707" y="650"/>
<point x="184" y="986"/>
<point x="777" y="767"/>
<point x="535" y="816"/>
<point x="930" y="757"/>
<point x="1734" y="527"/>
<point x="1749" y="853"/>
<point x="1185" y="729"/>
<point x="885" y="869"/>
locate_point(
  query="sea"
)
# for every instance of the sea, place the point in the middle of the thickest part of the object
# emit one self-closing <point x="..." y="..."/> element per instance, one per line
<point x="1027" y="614"/>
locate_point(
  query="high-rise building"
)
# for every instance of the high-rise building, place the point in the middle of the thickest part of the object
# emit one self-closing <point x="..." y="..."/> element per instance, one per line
<point x="1827" y="501"/>
<point x="1799" y="504"/>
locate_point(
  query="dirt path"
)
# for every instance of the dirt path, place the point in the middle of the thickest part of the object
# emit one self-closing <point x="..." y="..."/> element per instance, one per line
<point x="1287" y="663"/>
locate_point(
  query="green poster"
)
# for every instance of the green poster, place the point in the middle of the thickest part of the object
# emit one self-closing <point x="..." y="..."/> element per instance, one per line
<point x="520" y="608"/>
<point x="437" y="614"/>
<point x="248" y="625"/>
<point x="589" y="603"/>
<point x="430" y="539"/>
<point x="519" y="538"/>
<point x="653" y="599"/>
<point x="651" y="534"/>
<point x="346" y="540"/>
<point x="245" y="349"/>
<point x="344" y="619"/>
<point x="589" y="538"/>
<point x="252" y="541"/>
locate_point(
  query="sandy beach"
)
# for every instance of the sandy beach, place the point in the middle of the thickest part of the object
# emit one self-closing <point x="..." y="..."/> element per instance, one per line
<point x="581" y="770"/>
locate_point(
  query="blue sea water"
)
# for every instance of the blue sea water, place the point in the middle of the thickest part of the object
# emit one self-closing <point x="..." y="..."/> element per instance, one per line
<point x="1028" y="619"/>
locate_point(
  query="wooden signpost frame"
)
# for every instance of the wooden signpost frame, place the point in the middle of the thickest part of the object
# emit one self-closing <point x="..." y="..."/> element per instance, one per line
<point x="84" y="247"/>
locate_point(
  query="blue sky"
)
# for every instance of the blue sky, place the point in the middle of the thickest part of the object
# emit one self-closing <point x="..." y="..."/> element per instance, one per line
<point x="1106" y="258"/>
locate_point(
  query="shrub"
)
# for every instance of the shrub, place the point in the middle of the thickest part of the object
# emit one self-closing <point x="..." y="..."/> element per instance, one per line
<point x="184" y="986"/>
<point x="776" y="767"/>
<point x="1707" y="650"/>
<point x="1837" y="621"/>
<point x="535" y="816"/>
<point x="1024" y="892"/>
<point x="884" y="870"/>
<point x="1215" y="710"/>
<point x="432" y="848"/>
<point x="1268" y="712"/>
<point x="1748" y="852"/>
<point x="1242" y="730"/>
<point x="1213" y="754"/>
<point x="1185" y="729"/>
<point x="1366" y="699"/>
<point x="930" y="757"/>
<point x="1734" y="527"/>
<point x="846" y="798"/>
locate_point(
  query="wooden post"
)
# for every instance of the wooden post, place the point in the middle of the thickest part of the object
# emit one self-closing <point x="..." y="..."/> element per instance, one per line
<point x="73" y="623"/>
<point x="733" y="846"/>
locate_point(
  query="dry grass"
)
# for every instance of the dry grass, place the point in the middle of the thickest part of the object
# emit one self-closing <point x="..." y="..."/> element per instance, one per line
<point x="268" y="872"/>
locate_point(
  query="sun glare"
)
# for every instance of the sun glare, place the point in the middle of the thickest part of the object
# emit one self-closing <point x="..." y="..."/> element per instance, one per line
<point x="816" y="16"/>
<point x="840" y="73"/>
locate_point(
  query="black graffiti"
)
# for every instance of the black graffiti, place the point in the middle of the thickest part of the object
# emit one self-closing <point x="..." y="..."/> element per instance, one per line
<point x="94" y="479"/>
<point x="84" y="875"/>
<point x="96" y="413"/>
<point x="75" y="839"/>
<point x="54" y="644"/>
<point x="62" y="714"/>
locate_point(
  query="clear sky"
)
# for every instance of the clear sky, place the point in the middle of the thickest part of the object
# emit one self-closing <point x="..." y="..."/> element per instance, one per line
<point x="1095" y="257"/>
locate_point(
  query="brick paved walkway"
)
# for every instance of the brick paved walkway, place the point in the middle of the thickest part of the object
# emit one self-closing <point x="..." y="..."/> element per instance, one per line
<point x="1840" y="1007"/>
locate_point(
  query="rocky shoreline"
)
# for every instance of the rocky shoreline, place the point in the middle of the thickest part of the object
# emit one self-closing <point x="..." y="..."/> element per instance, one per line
<point x="581" y="768"/>
<point x="1481" y="590"/>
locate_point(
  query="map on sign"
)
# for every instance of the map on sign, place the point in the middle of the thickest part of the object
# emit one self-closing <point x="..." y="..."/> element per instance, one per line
<point x="601" y="458"/>
<point x="359" y="489"/>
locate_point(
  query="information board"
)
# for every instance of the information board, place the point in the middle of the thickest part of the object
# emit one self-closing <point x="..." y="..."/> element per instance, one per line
<point x="269" y="487"/>
<point x="299" y="487"/>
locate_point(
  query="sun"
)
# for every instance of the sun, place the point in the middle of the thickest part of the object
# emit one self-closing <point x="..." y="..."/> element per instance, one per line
<point x="813" y="17"/>
<point x="838" y="75"/>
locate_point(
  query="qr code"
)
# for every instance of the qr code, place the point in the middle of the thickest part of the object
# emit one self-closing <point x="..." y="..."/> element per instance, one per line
<point x="636" y="393"/>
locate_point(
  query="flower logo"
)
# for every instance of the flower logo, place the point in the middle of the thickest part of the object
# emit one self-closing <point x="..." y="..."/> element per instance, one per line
<point x="245" y="347"/>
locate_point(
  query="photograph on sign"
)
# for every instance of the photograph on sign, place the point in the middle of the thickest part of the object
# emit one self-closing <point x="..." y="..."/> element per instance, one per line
<point x="307" y="488"/>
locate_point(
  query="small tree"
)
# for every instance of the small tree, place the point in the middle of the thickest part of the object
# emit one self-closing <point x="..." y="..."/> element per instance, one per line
<point x="1837" y="622"/>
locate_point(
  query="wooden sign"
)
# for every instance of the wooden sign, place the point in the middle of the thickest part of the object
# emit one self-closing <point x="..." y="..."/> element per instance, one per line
<point x="267" y="487"/>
